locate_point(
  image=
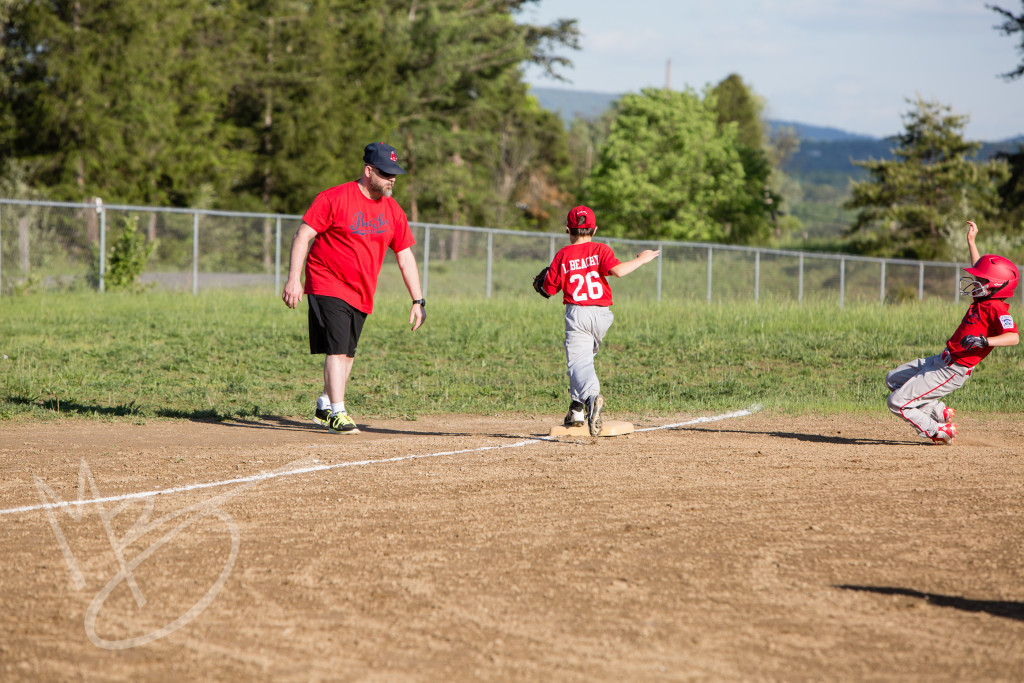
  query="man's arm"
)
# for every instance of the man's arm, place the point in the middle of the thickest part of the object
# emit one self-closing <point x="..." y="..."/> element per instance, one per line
<point x="411" y="277"/>
<point x="300" y="248"/>
<point x="627" y="267"/>
<point x="972" y="233"/>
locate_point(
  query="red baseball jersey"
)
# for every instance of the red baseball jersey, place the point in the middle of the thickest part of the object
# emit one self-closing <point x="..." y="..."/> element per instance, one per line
<point x="581" y="272"/>
<point x="353" y="234"/>
<point x="990" y="318"/>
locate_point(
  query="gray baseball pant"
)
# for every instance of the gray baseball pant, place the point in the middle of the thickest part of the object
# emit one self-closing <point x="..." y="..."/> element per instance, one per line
<point x="585" y="327"/>
<point x="917" y="387"/>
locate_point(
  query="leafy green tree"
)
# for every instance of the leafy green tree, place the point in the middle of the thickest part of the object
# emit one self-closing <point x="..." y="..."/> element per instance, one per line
<point x="667" y="170"/>
<point x="910" y="204"/>
<point x="1012" y="24"/>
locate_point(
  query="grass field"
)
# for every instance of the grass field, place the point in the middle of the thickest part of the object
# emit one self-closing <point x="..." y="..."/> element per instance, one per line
<point x="231" y="354"/>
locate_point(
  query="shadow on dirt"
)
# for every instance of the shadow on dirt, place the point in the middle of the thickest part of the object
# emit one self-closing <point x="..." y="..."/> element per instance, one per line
<point x="814" y="438"/>
<point x="997" y="608"/>
<point x="279" y="423"/>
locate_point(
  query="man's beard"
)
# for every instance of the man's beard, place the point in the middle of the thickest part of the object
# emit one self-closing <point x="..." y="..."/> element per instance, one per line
<point x="380" y="188"/>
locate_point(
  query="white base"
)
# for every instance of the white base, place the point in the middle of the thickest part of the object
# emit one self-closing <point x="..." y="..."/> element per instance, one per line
<point x="608" y="428"/>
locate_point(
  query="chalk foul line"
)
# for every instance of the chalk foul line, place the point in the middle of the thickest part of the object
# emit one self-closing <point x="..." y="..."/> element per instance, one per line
<point x="308" y="469"/>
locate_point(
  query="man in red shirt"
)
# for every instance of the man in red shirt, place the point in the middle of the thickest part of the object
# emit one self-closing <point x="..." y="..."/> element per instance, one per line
<point x="918" y="385"/>
<point x="351" y="227"/>
<point x="581" y="271"/>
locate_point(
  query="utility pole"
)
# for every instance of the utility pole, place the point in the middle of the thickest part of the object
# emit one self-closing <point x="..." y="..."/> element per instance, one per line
<point x="668" y="74"/>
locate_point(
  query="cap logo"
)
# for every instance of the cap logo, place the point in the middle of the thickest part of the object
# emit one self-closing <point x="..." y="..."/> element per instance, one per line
<point x="394" y="157"/>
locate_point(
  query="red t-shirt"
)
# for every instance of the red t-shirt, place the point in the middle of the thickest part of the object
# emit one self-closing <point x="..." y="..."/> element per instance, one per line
<point x="991" y="318"/>
<point x="581" y="272"/>
<point x="353" y="234"/>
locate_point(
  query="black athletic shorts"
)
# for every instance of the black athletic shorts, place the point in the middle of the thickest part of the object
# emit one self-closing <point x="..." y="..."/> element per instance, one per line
<point x="334" y="326"/>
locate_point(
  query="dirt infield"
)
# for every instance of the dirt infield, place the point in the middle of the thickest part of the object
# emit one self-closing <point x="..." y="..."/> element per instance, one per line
<point x="464" y="548"/>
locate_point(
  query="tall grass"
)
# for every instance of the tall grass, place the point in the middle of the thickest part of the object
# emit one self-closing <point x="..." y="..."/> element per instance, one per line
<point x="230" y="354"/>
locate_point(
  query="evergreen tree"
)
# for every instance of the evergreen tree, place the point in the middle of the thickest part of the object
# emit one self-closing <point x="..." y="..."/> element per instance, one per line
<point x="752" y="216"/>
<point x="1012" y="24"/>
<point x="667" y="170"/>
<point x="118" y="100"/>
<point x="460" y="95"/>
<point x="910" y="204"/>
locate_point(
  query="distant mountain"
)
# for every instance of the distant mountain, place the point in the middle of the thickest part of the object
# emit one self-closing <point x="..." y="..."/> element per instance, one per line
<point x="570" y="104"/>
<point x="806" y="131"/>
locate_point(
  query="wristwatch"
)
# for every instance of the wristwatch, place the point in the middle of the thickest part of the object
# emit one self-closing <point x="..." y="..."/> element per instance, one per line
<point x="421" y="302"/>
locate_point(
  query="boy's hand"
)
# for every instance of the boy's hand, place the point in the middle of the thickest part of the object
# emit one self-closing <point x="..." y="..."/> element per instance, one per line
<point x="972" y="231"/>
<point x="974" y="342"/>
<point x="648" y="255"/>
<point x="538" y="282"/>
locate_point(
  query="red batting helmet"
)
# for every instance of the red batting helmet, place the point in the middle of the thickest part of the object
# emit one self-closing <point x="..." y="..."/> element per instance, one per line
<point x="1001" y="276"/>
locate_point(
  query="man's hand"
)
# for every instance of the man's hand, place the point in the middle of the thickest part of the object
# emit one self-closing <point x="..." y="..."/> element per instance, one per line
<point x="972" y="231"/>
<point x="417" y="316"/>
<point x="292" y="294"/>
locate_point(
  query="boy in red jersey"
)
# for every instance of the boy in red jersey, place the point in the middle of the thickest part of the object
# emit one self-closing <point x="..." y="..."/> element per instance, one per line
<point x="918" y="385"/>
<point x="581" y="271"/>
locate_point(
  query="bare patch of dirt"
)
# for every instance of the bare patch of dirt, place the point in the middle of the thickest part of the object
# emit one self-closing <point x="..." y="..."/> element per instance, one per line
<point x="465" y="547"/>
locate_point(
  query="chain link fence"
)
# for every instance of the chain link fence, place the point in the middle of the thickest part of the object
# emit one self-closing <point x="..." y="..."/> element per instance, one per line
<point x="60" y="245"/>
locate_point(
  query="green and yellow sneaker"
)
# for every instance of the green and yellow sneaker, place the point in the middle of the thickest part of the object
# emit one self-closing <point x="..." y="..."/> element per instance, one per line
<point x="322" y="416"/>
<point x="341" y="423"/>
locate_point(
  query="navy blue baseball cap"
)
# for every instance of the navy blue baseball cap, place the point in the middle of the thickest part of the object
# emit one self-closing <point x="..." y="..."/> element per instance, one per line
<point x="382" y="157"/>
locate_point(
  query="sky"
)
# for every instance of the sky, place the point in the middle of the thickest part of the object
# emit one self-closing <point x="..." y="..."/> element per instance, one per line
<point x="847" y="64"/>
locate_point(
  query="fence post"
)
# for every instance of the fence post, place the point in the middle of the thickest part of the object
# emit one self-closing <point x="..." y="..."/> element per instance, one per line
<point x="920" y="281"/>
<point x="103" y="243"/>
<point x="710" y="252"/>
<point x="490" y="260"/>
<point x="800" y="281"/>
<point x="881" y="294"/>
<point x="660" y="258"/>
<point x="842" y="282"/>
<point x="277" y="256"/>
<point x="195" y="253"/>
<point x="757" y="275"/>
<point x="551" y="251"/>
<point x="956" y="283"/>
<point x="1" y="251"/>
<point x="426" y="258"/>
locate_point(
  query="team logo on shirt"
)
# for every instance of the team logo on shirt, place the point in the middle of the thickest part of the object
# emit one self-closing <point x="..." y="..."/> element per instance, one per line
<point x="1006" y="321"/>
<point x="363" y="226"/>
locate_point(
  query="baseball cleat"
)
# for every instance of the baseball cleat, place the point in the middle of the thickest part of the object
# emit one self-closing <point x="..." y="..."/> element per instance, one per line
<point x="948" y="414"/>
<point x="576" y="415"/>
<point x="322" y="416"/>
<point x="945" y="434"/>
<point x="341" y="423"/>
<point x="596" y="405"/>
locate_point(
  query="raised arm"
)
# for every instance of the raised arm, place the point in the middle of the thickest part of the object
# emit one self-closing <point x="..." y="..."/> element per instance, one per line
<point x="972" y="233"/>
<point x="627" y="267"/>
